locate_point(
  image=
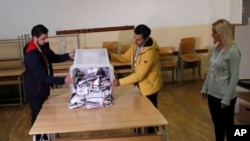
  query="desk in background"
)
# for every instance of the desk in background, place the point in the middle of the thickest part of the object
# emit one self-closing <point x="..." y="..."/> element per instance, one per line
<point x="13" y="77"/>
<point x="62" y="69"/>
<point x="130" y="110"/>
<point x="121" y="68"/>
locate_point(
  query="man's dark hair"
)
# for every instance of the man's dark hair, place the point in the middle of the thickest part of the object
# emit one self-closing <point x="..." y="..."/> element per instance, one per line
<point x="143" y="30"/>
<point x="38" y="30"/>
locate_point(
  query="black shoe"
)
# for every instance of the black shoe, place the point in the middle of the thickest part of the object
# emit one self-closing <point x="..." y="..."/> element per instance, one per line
<point x="45" y="137"/>
<point x="41" y="137"/>
<point x="38" y="137"/>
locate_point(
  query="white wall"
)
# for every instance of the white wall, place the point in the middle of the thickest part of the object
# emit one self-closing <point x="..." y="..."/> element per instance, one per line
<point x="19" y="16"/>
<point x="242" y="34"/>
<point x="228" y="9"/>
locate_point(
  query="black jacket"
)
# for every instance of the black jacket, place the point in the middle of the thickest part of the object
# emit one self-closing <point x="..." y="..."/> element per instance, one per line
<point x="37" y="79"/>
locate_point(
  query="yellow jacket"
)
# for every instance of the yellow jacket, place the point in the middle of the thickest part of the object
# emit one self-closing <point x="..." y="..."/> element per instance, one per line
<point x="148" y="73"/>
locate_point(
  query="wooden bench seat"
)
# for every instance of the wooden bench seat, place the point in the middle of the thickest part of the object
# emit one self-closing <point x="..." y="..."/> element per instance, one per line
<point x="11" y="73"/>
<point x="9" y="82"/>
<point x="121" y="71"/>
<point x="149" y="137"/>
<point x="11" y="64"/>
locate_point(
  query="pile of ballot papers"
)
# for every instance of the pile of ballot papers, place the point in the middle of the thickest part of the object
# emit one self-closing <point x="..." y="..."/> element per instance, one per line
<point x="92" y="88"/>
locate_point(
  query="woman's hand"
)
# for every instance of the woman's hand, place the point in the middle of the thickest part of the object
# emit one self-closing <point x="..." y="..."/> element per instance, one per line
<point x="223" y="106"/>
<point x="204" y="95"/>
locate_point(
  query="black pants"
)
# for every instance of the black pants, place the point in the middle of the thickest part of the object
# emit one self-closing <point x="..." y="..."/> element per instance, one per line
<point x="153" y="99"/>
<point x="35" y="106"/>
<point x="223" y="119"/>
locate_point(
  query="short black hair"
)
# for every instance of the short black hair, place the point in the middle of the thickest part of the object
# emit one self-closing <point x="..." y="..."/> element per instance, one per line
<point x="143" y="30"/>
<point x="38" y="30"/>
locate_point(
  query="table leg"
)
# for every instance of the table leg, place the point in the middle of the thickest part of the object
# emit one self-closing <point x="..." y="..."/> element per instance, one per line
<point x="164" y="133"/>
<point x="52" y="137"/>
<point x="34" y="137"/>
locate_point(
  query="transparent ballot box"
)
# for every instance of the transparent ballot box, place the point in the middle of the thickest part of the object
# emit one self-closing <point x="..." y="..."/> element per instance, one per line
<point x="92" y="73"/>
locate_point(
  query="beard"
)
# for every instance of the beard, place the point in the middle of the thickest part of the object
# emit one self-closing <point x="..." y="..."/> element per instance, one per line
<point x="40" y="45"/>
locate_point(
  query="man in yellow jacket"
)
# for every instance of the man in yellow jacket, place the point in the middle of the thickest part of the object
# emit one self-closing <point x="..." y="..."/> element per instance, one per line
<point x="144" y="58"/>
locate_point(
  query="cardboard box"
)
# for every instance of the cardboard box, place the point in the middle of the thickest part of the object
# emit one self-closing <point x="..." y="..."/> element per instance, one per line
<point x="244" y="112"/>
<point x="242" y="96"/>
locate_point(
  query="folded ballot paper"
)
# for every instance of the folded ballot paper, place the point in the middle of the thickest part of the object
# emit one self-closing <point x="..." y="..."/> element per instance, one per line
<point x="92" y="87"/>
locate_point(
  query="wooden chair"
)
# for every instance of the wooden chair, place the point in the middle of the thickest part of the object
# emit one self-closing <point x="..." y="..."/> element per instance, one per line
<point x="124" y="48"/>
<point x="187" y="58"/>
<point x="111" y="46"/>
<point x="167" y="60"/>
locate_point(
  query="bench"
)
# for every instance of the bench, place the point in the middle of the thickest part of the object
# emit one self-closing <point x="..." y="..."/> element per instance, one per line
<point x="147" y="137"/>
<point x="11" y="73"/>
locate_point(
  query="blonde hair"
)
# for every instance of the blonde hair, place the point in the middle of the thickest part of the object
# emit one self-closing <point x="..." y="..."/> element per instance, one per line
<point x="224" y="29"/>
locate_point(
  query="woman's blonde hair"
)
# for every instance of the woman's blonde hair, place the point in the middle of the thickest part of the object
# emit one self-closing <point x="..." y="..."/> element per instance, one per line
<point x="224" y="29"/>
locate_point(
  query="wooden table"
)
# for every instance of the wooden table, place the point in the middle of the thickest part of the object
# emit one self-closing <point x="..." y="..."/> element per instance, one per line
<point x="13" y="77"/>
<point x="130" y="110"/>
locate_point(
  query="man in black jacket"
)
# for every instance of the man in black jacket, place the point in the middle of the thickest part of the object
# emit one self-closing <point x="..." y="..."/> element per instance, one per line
<point x="38" y="75"/>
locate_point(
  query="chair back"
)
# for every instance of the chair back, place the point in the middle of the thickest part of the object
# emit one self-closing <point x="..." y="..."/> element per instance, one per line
<point x="111" y="46"/>
<point x="187" y="45"/>
<point x="167" y="59"/>
<point x="124" y="48"/>
<point x="166" y="54"/>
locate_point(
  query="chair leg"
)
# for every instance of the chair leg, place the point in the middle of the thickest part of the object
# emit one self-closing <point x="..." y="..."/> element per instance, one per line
<point x="199" y="69"/>
<point x="182" y="72"/>
<point x="20" y="93"/>
<point x="193" y="72"/>
<point x="179" y="74"/>
<point x="172" y="74"/>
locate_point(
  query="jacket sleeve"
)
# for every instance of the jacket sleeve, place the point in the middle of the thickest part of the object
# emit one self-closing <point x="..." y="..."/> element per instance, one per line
<point x="205" y="85"/>
<point x="205" y="88"/>
<point x="35" y="66"/>
<point x="122" y="58"/>
<point x="55" y="58"/>
<point x="143" y="67"/>
<point x="234" y="65"/>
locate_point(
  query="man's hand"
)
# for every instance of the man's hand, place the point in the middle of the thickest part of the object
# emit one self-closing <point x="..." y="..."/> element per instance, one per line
<point x="68" y="80"/>
<point x="115" y="83"/>
<point x="72" y="54"/>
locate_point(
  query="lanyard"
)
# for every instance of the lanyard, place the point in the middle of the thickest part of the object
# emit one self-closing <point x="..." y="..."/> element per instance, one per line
<point x="215" y="59"/>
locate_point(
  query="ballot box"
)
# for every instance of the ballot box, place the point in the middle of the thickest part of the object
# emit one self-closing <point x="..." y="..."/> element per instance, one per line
<point x="92" y="73"/>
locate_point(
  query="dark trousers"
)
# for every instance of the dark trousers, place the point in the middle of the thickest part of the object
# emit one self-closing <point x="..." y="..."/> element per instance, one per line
<point x="223" y="119"/>
<point x="153" y="99"/>
<point x="35" y="106"/>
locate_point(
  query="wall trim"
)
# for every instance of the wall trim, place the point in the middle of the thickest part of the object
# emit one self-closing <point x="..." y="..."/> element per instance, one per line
<point x="91" y="30"/>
